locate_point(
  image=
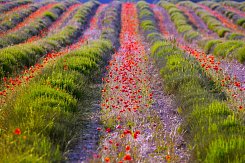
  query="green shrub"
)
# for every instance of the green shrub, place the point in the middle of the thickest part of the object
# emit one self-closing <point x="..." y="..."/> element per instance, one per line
<point x="234" y="36"/>
<point x="241" y="21"/>
<point x="222" y="31"/>
<point x="210" y="45"/>
<point x="227" y="48"/>
<point x="50" y="15"/>
<point x="153" y="37"/>
<point x="240" y="54"/>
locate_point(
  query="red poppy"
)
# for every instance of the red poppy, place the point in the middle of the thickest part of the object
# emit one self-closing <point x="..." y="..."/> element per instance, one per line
<point x="107" y="159"/>
<point x="110" y="141"/>
<point x="108" y="130"/>
<point x="240" y="108"/>
<point x="127" y="148"/>
<point x="167" y="157"/>
<point x="17" y="131"/>
<point x="127" y="157"/>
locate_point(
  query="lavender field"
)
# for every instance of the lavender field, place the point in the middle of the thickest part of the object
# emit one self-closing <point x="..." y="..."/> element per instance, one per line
<point x="122" y="81"/>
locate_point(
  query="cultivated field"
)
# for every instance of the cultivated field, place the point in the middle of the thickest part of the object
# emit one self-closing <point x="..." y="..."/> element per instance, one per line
<point x="122" y="81"/>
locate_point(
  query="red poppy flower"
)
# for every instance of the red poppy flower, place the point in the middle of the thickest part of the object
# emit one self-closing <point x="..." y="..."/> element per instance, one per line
<point x="167" y="157"/>
<point x="127" y="147"/>
<point x="17" y="131"/>
<point x="127" y="157"/>
<point x="107" y="159"/>
<point x="108" y="130"/>
<point x="240" y="108"/>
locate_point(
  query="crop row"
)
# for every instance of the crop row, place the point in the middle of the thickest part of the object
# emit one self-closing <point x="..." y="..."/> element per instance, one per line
<point x="46" y="108"/>
<point x="197" y="22"/>
<point x="21" y="33"/>
<point x="10" y="20"/>
<point x="15" y="9"/>
<point x="229" y="14"/>
<point x="110" y="20"/>
<point x="16" y="57"/>
<point x="212" y="22"/>
<point x="58" y="24"/>
<point x="11" y="5"/>
<point x="216" y="69"/>
<point x="232" y="49"/>
<point x="181" y="21"/>
<point x="214" y="132"/>
<point x="126" y="112"/>
<point x="237" y="5"/>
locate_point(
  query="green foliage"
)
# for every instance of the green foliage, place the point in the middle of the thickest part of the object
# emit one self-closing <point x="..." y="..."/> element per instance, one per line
<point x="13" y="4"/>
<point x="229" y="14"/>
<point x="14" y="58"/>
<point x="231" y="49"/>
<point x="110" y="19"/>
<point x="210" y="45"/>
<point x="234" y="36"/>
<point x="224" y="49"/>
<point x="212" y="22"/>
<point x="154" y="36"/>
<point x="16" y="17"/>
<point x="46" y="109"/>
<point x="222" y="31"/>
<point x="148" y="22"/>
<point x="241" y="21"/>
<point x="211" y="126"/>
<point x="240" y="54"/>
<point x="181" y="21"/>
<point x="30" y="30"/>
<point x="50" y="15"/>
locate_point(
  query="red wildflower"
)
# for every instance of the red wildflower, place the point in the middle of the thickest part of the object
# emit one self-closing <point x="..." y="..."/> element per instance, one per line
<point x="167" y="157"/>
<point x="110" y="141"/>
<point x="127" y="157"/>
<point x="107" y="159"/>
<point x="17" y="131"/>
<point x="108" y="130"/>
<point x="127" y="132"/>
<point x="240" y="108"/>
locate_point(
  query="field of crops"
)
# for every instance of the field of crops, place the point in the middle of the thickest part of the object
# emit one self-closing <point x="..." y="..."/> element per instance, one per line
<point x="122" y="81"/>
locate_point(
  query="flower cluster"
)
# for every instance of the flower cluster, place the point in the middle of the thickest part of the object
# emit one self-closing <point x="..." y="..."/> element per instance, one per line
<point x="125" y="94"/>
